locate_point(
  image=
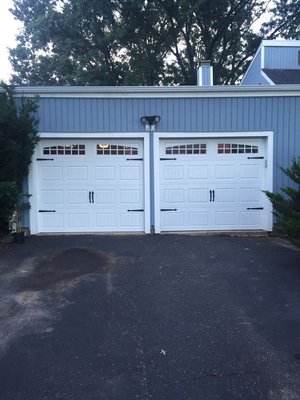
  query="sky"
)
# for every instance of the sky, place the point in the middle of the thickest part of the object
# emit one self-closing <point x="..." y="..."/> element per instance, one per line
<point x="8" y="30"/>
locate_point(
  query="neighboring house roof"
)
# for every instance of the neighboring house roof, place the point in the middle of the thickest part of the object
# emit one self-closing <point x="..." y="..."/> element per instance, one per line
<point x="283" y="76"/>
<point x="270" y="66"/>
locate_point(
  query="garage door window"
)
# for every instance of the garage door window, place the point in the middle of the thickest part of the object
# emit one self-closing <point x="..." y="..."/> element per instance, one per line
<point x="104" y="149"/>
<point x="65" y="150"/>
<point x="231" y="148"/>
<point x="195" y="148"/>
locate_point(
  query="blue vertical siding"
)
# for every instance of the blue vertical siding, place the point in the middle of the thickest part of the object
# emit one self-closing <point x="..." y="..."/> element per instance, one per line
<point x="282" y="57"/>
<point x="254" y="76"/>
<point x="278" y="114"/>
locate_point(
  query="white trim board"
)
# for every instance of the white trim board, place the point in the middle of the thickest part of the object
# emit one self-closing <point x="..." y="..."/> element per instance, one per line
<point x="160" y="92"/>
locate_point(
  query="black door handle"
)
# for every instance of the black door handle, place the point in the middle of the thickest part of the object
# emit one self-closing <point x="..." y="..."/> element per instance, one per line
<point x="210" y="194"/>
<point x="213" y="195"/>
<point x="92" y="197"/>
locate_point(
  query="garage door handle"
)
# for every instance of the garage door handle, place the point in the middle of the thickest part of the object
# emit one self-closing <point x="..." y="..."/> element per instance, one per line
<point x="210" y="195"/>
<point x="213" y="195"/>
<point x="168" y="209"/>
<point x="92" y="197"/>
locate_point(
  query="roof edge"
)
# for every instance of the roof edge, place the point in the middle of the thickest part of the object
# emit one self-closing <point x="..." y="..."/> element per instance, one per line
<point x="157" y="91"/>
<point x="280" y="42"/>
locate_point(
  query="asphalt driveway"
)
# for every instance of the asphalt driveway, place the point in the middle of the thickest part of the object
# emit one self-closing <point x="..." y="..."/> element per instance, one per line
<point x="150" y="317"/>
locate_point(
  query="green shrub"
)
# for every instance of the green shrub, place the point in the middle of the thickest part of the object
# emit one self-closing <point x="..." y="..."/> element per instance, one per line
<point x="287" y="205"/>
<point x="18" y="138"/>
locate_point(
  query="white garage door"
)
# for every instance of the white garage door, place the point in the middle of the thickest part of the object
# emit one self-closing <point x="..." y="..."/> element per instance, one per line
<point x="90" y="186"/>
<point x="213" y="184"/>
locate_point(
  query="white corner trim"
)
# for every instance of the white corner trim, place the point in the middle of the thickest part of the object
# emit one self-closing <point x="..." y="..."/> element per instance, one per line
<point x="265" y="76"/>
<point x="211" y="76"/>
<point x="32" y="188"/>
<point x="199" y="77"/>
<point x="156" y="173"/>
<point x="262" y="57"/>
<point x="269" y="181"/>
<point x="147" y="185"/>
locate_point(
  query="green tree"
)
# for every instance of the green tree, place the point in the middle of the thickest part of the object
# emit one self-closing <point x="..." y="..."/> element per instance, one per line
<point x="287" y="205"/>
<point x="18" y="138"/>
<point x="117" y="42"/>
<point x="285" y="20"/>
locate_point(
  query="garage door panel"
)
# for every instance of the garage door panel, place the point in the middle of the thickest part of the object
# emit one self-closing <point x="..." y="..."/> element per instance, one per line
<point x="224" y="171"/>
<point x="226" y="218"/>
<point x="173" y="220"/>
<point x="77" y="173"/>
<point x="173" y="172"/>
<point x="78" y="197"/>
<point x="198" y="219"/>
<point x="105" y="196"/>
<point x="131" y="173"/>
<point x="52" y="173"/>
<point x="131" y="220"/>
<point x="250" y="219"/>
<point x="78" y="220"/>
<point x="106" y="220"/>
<point x="131" y="196"/>
<point x="105" y="173"/>
<point x="175" y="195"/>
<point x="196" y="195"/>
<point x="198" y="172"/>
<point x="250" y="195"/>
<point x="53" y="222"/>
<point x="250" y="171"/>
<point x="225" y="195"/>
<point x="52" y="197"/>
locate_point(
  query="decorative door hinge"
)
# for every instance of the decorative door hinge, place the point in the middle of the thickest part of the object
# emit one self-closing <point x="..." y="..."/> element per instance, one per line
<point x="255" y="208"/>
<point x="45" y="159"/>
<point x="167" y="159"/>
<point x="46" y="211"/>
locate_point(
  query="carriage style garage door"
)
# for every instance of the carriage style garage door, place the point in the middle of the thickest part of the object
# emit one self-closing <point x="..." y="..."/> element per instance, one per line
<point x="213" y="184"/>
<point x="90" y="186"/>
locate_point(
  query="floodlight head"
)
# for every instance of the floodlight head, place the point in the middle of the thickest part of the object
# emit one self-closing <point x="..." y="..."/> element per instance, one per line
<point x="150" y="119"/>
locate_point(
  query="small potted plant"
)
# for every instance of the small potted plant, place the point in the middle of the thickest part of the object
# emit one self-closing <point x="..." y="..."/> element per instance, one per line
<point x="16" y="220"/>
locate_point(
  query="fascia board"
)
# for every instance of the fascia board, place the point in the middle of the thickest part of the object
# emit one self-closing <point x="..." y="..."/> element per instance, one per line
<point x="158" y="92"/>
<point x="281" y="43"/>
